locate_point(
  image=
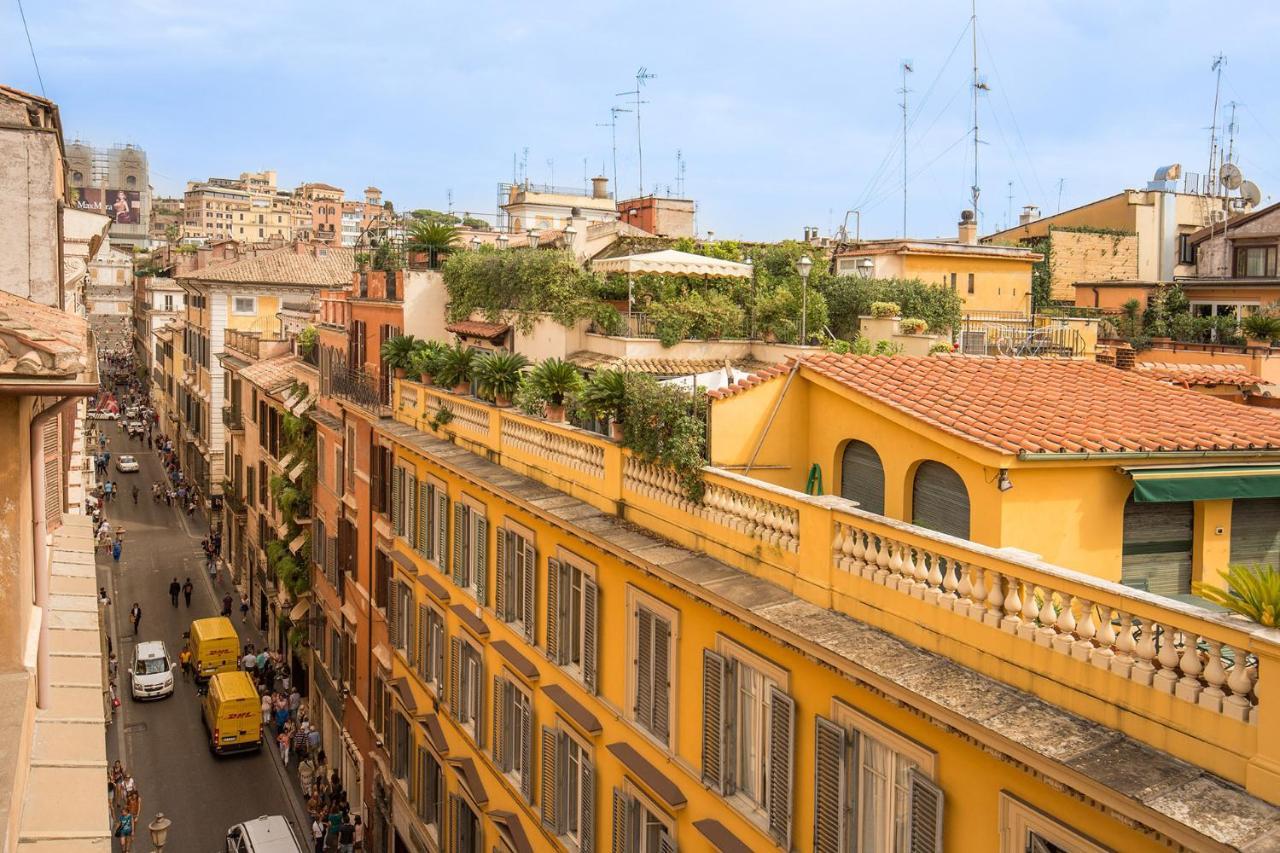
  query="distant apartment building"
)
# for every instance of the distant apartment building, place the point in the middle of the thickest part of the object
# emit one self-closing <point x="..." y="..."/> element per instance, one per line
<point x="358" y="215"/>
<point x="113" y="181"/>
<point x="543" y="207"/>
<point x="321" y="208"/>
<point x="249" y="209"/>
<point x="109" y="299"/>
<point x="158" y="302"/>
<point x="166" y="221"/>
<point x="659" y="216"/>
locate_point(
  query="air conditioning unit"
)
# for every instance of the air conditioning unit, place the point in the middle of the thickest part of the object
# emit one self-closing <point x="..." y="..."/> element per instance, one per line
<point x="973" y="342"/>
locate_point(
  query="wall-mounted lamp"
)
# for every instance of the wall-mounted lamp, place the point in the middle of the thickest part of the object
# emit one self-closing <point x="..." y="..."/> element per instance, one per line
<point x="1003" y="484"/>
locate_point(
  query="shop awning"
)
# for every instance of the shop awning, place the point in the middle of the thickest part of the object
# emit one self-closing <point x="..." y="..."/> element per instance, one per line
<point x="300" y="610"/>
<point x="1164" y="484"/>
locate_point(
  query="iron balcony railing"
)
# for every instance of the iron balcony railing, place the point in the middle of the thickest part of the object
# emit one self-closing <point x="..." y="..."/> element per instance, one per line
<point x="231" y="418"/>
<point x="357" y="386"/>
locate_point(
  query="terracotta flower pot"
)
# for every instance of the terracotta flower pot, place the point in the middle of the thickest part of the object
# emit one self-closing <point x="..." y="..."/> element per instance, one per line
<point x="462" y="389"/>
<point x="554" y="413"/>
<point x="615" y="430"/>
<point x="502" y="401"/>
<point x="399" y="373"/>
<point x="427" y="379"/>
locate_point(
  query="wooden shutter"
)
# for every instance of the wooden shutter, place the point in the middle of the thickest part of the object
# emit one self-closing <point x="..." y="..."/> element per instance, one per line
<point x="862" y="476"/>
<point x="621" y="838"/>
<point x="644" y="668"/>
<point x="666" y="844"/>
<point x="924" y="809"/>
<point x="500" y="575"/>
<point x="661" y="679"/>
<point x="939" y="500"/>
<point x="829" y="774"/>
<point x="442" y="529"/>
<point x="714" y="668"/>
<point x="437" y="652"/>
<point x="410" y="507"/>
<point x="1255" y="536"/>
<point x="411" y="628"/>
<point x="500" y="745"/>
<point x="528" y="565"/>
<point x="397" y="495"/>
<point x="480" y="559"/>
<point x="525" y="723"/>
<point x="553" y="606"/>
<point x="1156" y="554"/>
<point x="590" y="631"/>
<point x="51" y="440"/>
<point x="588" y="789"/>
<point x="422" y="640"/>
<point x="782" y="716"/>
<point x="459" y="535"/>
<point x="477" y="699"/>
<point x="422" y="532"/>
<point x="393" y="606"/>
<point x="550" y="777"/>
<point x="455" y="821"/>
<point x="455" y="675"/>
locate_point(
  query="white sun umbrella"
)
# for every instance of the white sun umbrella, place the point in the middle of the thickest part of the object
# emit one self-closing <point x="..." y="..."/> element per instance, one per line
<point x="671" y="262"/>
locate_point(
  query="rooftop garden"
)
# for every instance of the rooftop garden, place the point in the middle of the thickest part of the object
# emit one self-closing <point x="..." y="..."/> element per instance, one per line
<point x="1168" y="316"/>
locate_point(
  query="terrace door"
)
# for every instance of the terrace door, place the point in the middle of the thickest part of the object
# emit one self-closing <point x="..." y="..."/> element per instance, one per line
<point x="1158" y="541"/>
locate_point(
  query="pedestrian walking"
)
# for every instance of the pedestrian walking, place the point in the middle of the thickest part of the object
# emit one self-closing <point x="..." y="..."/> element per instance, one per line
<point x="103" y="598"/>
<point x="346" y="834"/>
<point x="266" y="711"/>
<point x="135" y="616"/>
<point x="174" y="589"/>
<point x="135" y="494"/>
<point x="226" y="604"/>
<point x="282" y="741"/>
<point x="249" y="661"/>
<point x="306" y="773"/>
<point x="358" y="842"/>
<point x="187" y="589"/>
<point x="124" y="831"/>
<point x="117" y="548"/>
<point x="317" y="834"/>
<point x="244" y="607"/>
<point x="184" y="658"/>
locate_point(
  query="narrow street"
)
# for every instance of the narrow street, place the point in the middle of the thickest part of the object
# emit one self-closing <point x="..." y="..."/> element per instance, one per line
<point x="164" y="743"/>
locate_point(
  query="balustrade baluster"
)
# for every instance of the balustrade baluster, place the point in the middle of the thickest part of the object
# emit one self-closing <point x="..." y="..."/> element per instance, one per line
<point x="1239" y="681"/>
<point x="1189" y="685"/>
<point x="995" y="599"/>
<point x="1012" y="605"/>
<point x="1167" y="658"/>
<point x="1126" y="646"/>
<point x="1065" y="625"/>
<point x="1101" y="656"/>
<point x="1216" y="677"/>
<point x="978" y="599"/>
<point x="933" y="579"/>
<point x="949" y="585"/>
<point x="1085" y="631"/>
<point x="964" y="590"/>
<point x="1144" y="669"/>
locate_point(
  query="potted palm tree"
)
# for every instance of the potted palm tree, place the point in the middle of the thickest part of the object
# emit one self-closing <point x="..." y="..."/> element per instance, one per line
<point x="425" y="361"/>
<point x="457" y="368"/>
<point x="605" y="397"/>
<point x="1261" y="329"/>
<point x="398" y="351"/>
<point x="556" y="379"/>
<point x="432" y="239"/>
<point x="498" y="374"/>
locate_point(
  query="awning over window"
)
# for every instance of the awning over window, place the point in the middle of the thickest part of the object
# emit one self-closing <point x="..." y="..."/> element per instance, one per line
<point x="1204" y="482"/>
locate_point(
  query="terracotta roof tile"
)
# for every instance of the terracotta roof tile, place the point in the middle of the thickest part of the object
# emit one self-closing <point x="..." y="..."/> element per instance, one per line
<point x="1045" y="405"/>
<point x="478" y="329"/>
<point x="657" y="366"/>
<point x="273" y="374"/>
<point x="310" y="266"/>
<point x="1198" y="374"/>
<point x="40" y="342"/>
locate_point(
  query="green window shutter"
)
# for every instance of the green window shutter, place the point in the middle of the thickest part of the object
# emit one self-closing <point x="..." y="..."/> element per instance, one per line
<point x="500" y="575"/>
<point x="420" y="642"/>
<point x="411" y="627"/>
<point x="442" y="530"/>
<point x="421" y="542"/>
<point x="459" y="537"/>
<point x="590" y="632"/>
<point x="924" y="810"/>
<point x="644" y="668"/>
<point x="661" y="679"/>
<point x="499" y="735"/>
<point x="528" y="565"/>
<point x="829" y="798"/>
<point x="553" y="608"/>
<point x="481" y="572"/>
<point x="437" y="651"/>
<point x="782" y="714"/>
<point x="397" y="495"/>
<point x="525" y="722"/>
<point x="393" y="624"/>
<point x="550" y="777"/>
<point x="455" y="675"/>
<point x="714" y="667"/>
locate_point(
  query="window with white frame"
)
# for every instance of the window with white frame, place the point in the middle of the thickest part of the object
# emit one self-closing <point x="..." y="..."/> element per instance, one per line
<point x="568" y="788"/>
<point x="651" y="641"/>
<point x="244" y="305"/>
<point x="573" y="613"/>
<point x="748" y="728"/>
<point x="432" y="510"/>
<point x="471" y="550"/>
<point x="431" y="648"/>
<point x="466" y="690"/>
<point x="400" y="619"/>
<point x="513" y="733"/>
<point x="638" y="825"/>
<point x="1026" y="829"/>
<point x="874" y="788"/>
<point x="514" y="578"/>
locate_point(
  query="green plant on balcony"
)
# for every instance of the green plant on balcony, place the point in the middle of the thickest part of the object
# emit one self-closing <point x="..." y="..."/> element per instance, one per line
<point x="397" y="352"/>
<point x="1252" y="592"/>
<point x="425" y="361"/>
<point x="457" y="368"/>
<point x="605" y="398"/>
<point x="556" y="380"/>
<point x="442" y="418"/>
<point x="307" y="340"/>
<point x="882" y="310"/>
<point x="433" y="238"/>
<point x="912" y="326"/>
<point x="665" y="426"/>
<point x="1261" y="327"/>
<point x="362" y="260"/>
<point x="498" y="375"/>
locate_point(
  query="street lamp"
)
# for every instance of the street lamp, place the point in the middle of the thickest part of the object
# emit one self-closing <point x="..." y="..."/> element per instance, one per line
<point x="475" y="243"/>
<point x="533" y="238"/>
<point x="864" y="267"/>
<point x="502" y="241"/>
<point x="159" y="831"/>
<point x="804" y="265"/>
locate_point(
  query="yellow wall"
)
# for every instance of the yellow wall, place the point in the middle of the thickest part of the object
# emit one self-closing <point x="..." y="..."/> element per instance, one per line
<point x="263" y="320"/>
<point x="971" y="778"/>
<point x="999" y="284"/>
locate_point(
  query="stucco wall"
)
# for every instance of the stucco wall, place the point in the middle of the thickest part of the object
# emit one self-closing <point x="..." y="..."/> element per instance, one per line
<point x="29" y="182"/>
<point x="1077" y="256"/>
<point x="16" y="568"/>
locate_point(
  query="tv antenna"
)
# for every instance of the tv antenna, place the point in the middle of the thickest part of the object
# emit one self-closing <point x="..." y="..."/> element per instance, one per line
<point x="906" y="69"/>
<point x="1061" y="181"/>
<point x="448" y="195"/>
<point x="978" y="86"/>
<point x="613" y="137"/>
<point x="641" y="76"/>
<point x="679" y="173"/>
<point x="1218" y="61"/>
<point x="1231" y="132"/>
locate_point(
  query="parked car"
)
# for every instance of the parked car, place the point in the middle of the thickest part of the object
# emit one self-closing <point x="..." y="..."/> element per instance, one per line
<point x="127" y="465"/>
<point x="103" y="415"/>
<point x="151" y="675"/>
<point x="267" y="834"/>
<point x="134" y="427"/>
<point x="131" y="413"/>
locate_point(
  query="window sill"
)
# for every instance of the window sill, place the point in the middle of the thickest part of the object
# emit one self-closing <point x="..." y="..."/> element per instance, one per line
<point x="750" y="810"/>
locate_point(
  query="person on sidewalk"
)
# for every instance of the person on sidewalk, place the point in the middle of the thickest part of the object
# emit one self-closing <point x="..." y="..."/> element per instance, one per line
<point x="346" y="834"/>
<point x="282" y="741"/>
<point x="317" y="834"/>
<point x="174" y="589"/>
<point x="244" y="607"/>
<point x="187" y="589"/>
<point x="306" y="773"/>
<point x="226" y="604"/>
<point x="135" y="616"/>
<point x="358" y="843"/>
<point x="117" y="548"/>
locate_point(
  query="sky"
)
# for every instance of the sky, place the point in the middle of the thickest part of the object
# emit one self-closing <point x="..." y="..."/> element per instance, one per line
<point x="786" y="115"/>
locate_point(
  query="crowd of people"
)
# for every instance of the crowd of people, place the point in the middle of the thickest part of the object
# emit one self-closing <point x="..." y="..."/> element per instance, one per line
<point x="126" y="805"/>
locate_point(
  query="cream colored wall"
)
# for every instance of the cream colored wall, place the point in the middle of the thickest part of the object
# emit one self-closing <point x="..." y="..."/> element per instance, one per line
<point x="999" y="284"/>
<point x="16" y="559"/>
<point x="262" y="320"/>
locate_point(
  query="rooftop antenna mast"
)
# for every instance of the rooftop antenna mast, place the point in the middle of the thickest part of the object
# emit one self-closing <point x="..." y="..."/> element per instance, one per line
<point x="641" y="76"/>
<point x="1231" y="133"/>
<point x="906" y="69"/>
<point x="613" y="137"/>
<point x="679" y="173"/>
<point x="1218" y="62"/>
<point x="978" y="85"/>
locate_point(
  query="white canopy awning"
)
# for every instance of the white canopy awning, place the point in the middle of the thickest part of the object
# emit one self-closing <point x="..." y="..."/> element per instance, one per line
<point x="672" y="262"/>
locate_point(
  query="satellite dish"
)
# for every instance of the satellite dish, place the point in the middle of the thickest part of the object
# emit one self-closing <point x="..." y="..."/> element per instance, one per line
<point x="1250" y="194"/>
<point x="1230" y="176"/>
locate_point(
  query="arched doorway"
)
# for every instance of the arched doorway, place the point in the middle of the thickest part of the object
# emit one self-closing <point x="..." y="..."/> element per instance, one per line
<point x="940" y="500"/>
<point x="862" y="476"/>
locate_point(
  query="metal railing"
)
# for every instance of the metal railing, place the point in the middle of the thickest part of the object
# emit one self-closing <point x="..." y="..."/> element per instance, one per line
<point x="357" y="386"/>
<point x="232" y="418"/>
<point x="1020" y="340"/>
<point x="637" y="324"/>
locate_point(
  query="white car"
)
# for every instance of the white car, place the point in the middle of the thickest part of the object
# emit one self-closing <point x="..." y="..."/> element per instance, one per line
<point x="103" y="415"/>
<point x="127" y="465"/>
<point x="267" y="834"/>
<point x="131" y="413"/>
<point x="134" y="427"/>
<point x="152" y="672"/>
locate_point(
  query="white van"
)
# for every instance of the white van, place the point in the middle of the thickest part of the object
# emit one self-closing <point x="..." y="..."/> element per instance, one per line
<point x="266" y="834"/>
<point x="152" y="671"/>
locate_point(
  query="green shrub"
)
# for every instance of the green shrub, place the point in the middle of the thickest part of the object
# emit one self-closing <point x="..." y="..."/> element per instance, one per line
<point x="520" y="283"/>
<point x="882" y="310"/>
<point x="1252" y="591"/>
<point x="457" y="366"/>
<point x="663" y="425"/>
<point x="850" y="297"/>
<point x="498" y="374"/>
<point x="556" y="380"/>
<point x="605" y="395"/>
<point x="398" y="351"/>
<point x="426" y="360"/>
<point x="1264" y="327"/>
<point x="912" y="326"/>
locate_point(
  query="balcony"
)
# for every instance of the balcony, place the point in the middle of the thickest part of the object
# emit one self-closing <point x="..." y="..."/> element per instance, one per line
<point x="358" y="387"/>
<point x="231" y="499"/>
<point x="245" y="342"/>
<point x="232" y="418"/>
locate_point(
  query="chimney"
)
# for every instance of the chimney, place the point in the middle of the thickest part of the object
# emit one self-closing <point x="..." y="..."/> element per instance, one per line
<point x="1126" y="356"/>
<point x="204" y="254"/>
<point x="968" y="228"/>
<point x="599" y="187"/>
<point x="1030" y="213"/>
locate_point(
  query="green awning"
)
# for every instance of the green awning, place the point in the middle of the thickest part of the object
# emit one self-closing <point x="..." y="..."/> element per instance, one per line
<point x="1204" y="482"/>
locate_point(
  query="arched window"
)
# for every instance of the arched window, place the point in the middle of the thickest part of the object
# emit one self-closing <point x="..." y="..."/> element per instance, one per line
<point x="130" y="182"/>
<point x="862" y="476"/>
<point x="77" y="178"/>
<point x="939" y="500"/>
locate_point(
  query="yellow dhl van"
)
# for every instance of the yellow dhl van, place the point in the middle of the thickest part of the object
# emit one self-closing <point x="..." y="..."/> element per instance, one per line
<point x="233" y="713"/>
<point x="214" y="647"/>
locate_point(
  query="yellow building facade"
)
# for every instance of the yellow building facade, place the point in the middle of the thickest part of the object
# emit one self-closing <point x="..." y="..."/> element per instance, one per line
<point x="584" y="658"/>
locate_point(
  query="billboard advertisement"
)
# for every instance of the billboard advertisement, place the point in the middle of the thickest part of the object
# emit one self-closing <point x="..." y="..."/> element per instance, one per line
<point x="123" y="206"/>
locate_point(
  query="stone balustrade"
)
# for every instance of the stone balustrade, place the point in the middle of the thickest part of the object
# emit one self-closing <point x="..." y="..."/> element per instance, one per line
<point x="473" y="417"/>
<point x="1114" y="629"/>
<point x="553" y="445"/>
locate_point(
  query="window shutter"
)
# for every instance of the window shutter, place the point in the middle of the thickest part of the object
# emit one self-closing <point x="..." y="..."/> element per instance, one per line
<point x="455" y="675"/>
<point x="459" y="537"/>
<point x="588" y="809"/>
<point x="477" y="699"/>
<point x="412" y="631"/>
<point x="713" y="722"/>
<point x="437" y="651"/>
<point x="420" y="543"/>
<point x="481" y="560"/>
<point x="829" y="774"/>
<point x="525" y="722"/>
<point x="499" y="735"/>
<point x="590" y="631"/>
<point x="661" y="679"/>
<point x="666" y="844"/>
<point x="620" y="839"/>
<point x="550" y="752"/>
<point x="397" y="494"/>
<point x="51" y="439"/>
<point x="924" y="807"/>
<point x="455" y="820"/>
<point x="553" y="607"/>
<point x="393" y="623"/>
<point x="500" y="576"/>
<point x="420" y="642"/>
<point x="442" y="529"/>
<point x="410" y="507"/>
<point x="782" y="713"/>
<point x="528" y="565"/>
<point x="644" y="668"/>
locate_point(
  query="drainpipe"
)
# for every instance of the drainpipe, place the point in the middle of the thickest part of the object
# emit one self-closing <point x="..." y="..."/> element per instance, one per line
<point x="39" y="534"/>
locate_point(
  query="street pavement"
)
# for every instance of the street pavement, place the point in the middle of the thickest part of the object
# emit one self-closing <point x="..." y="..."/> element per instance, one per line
<point x="163" y="743"/>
